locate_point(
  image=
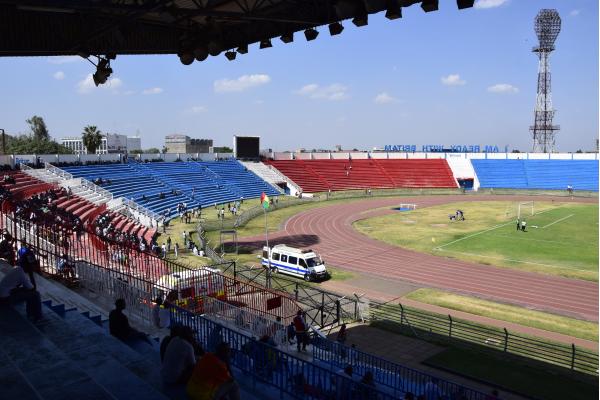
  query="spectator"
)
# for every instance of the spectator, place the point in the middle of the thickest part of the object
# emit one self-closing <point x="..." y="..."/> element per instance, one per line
<point x="300" y="331"/>
<point x="16" y="287"/>
<point x="494" y="395"/>
<point x="214" y="339"/>
<point x="367" y="386"/>
<point x="342" y="335"/>
<point x="156" y="312"/>
<point x="432" y="390"/>
<point x="344" y="387"/>
<point x="176" y="249"/>
<point x="409" y="396"/>
<point x="7" y="251"/>
<point x="175" y="331"/>
<point x="179" y="358"/>
<point x="118" y="325"/>
<point x="291" y="333"/>
<point x="212" y="378"/>
<point x="164" y="250"/>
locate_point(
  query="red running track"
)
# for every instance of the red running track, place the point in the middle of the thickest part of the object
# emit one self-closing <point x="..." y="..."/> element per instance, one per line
<point x="329" y="231"/>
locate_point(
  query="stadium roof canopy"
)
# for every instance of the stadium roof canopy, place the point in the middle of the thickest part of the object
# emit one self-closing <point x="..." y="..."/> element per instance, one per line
<point x="112" y="27"/>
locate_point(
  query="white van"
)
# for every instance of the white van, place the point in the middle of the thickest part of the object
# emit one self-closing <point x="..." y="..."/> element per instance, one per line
<point x="191" y="284"/>
<point x="296" y="262"/>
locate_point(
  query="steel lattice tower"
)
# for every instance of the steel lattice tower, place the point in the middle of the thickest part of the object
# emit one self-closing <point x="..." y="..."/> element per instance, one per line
<point x="547" y="28"/>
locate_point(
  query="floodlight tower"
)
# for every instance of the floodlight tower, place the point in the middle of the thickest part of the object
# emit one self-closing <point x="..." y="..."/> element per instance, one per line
<point x="547" y="28"/>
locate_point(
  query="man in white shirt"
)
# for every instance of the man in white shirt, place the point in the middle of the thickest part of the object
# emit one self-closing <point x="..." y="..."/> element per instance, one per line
<point x="16" y="287"/>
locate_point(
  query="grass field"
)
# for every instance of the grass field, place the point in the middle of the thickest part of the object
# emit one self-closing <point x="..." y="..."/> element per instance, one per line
<point x="524" y="379"/>
<point x="561" y="239"/>
<point x="519" y="315"/>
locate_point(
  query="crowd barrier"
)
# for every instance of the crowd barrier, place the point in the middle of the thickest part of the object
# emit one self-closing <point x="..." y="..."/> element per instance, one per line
<point x="423" y="324"/>
<point x="290" y="375"/>
<point x="397" y="377"/>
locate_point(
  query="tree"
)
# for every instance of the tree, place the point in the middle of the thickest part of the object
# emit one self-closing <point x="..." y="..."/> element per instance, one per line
<point x="38" y="128"/>
<point x="165" y="149"/>
<point x="223" y="149"/>
<point x="152" y="150"/>
<point x="92" y="138"/>
<point x="26" y="144"/>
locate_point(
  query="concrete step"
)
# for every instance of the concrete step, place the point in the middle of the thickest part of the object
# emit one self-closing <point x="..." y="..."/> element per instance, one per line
<point x="102" y="357"/>
<point x="42" y="371"/>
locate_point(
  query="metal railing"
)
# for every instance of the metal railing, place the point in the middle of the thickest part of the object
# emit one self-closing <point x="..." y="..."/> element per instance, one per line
<point x="397" y="377"/>
<point x="433" y="326"/>
<point x="291" y="375"/>
<point x="246" y="320"/>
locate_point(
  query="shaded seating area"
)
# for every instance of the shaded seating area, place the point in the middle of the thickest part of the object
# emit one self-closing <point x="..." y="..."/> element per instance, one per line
<point x="537" y="174"/>
<point x="160" y="187"/>
<point x="322" y="175"/>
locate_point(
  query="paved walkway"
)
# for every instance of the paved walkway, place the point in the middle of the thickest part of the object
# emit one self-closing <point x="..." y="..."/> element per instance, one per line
<point x="384" y="291"/>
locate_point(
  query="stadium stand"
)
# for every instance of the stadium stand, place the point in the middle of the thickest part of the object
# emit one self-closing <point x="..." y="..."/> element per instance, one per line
<point x="266" y="173"/>
<point x="537" y="174"/>
<point x="322" y="175"/>
<point x="193" y="183"/>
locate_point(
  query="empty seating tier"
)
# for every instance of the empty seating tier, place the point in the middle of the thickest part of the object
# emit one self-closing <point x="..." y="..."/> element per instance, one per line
<point x="194" y="183"/>
<point x="537" y="174"/>
<point x="322" y="175"/>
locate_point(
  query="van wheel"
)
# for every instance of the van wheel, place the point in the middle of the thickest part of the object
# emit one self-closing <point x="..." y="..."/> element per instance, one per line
<point x="274" y="270"/>
<point x="307" y="278"/>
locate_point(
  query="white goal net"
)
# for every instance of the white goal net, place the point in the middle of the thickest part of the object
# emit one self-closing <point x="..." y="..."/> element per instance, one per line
<point x="520" y="210"/>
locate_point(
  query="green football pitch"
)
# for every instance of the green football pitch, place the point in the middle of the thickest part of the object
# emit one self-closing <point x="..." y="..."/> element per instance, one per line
<point x="561" y="238"/>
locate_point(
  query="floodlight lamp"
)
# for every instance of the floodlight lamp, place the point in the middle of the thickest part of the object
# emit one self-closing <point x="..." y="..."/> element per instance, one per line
<point x="265" y="44"/>
<point x="335" y="29"/>
<point x="430" y="5"/>
<point x="201" y="53"/>
<point x="311" y="34"/>
<point x="393" y="11"/>
<point x="361" y="20"/>
<point x="287" y="38"/>
<point x="230" y="55"/>
<point x="464" y="4"/>
<point x="103" y="71"/>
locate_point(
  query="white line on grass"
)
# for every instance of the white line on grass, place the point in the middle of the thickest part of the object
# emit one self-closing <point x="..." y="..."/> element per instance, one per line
<point x="558" y="220"/>
<point x="487" y="230"/>
<point x="511" y="260"/>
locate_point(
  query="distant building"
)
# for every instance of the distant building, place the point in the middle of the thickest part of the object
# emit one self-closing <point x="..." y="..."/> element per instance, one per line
<point x="111" y="143"/>
<point x="177" y="143"/>
<point x="134" y="143"/>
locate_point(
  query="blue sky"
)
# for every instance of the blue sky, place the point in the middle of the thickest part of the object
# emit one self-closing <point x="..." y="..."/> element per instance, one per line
<point x="447" y="77"/>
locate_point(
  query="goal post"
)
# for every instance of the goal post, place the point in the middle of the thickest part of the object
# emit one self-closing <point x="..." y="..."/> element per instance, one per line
<point x="520" y="210"/>
<point x="526" y="209"/>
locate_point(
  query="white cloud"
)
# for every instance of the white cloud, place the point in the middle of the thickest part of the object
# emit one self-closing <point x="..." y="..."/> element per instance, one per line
<point x="489" y="3"/>
<point x="59" y="75"/>
<point x="333" y="92"/>
<point x="154" y="90"/>
<point x="574" y="13"/>
<point x="198" y="109"/>
<point x="64" y="59"/>
<point x="240" y="84"/>
<point x="87" y="85"/>
<point x="384" y="98"/>
<point x="453" y="80"/>
<point x="503" y="88"/>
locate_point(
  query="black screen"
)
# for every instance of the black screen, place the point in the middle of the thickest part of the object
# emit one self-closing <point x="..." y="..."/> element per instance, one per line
<point x="247" y="147"/>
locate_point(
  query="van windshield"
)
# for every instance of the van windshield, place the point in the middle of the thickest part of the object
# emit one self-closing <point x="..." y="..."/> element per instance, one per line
<point x="312" y="262"/>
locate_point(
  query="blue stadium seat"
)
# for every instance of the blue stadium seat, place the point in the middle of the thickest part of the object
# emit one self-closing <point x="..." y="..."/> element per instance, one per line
<point x="537" y="174"/>
<point x="211" y="182"/>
